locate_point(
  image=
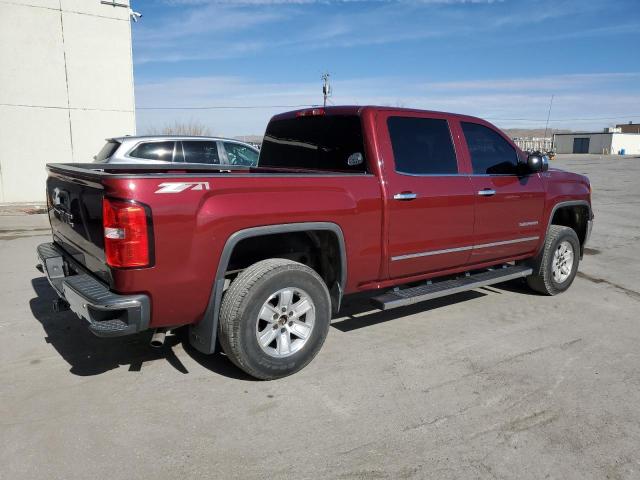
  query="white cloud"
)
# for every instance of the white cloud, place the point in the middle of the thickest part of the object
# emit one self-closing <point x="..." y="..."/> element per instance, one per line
<point x="503" y="106"/>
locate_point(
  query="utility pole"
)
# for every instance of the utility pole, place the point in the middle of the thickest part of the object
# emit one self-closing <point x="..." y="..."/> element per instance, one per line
<point x="326" y="88"/>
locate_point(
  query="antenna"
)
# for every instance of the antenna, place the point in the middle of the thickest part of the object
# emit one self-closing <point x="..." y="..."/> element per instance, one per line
<point x="548" y="116"/>
<point x="326" y="88"/>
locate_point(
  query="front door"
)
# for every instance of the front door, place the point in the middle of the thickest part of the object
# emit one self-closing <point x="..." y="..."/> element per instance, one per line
<point x="430" y="206"/>
<point x="509" y="202"/>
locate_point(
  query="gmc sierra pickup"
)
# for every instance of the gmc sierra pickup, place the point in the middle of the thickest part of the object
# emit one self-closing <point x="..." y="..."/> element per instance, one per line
<point x="408" y="204"/>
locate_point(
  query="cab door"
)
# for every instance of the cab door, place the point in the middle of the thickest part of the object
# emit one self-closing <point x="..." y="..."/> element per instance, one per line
<point x="429" y="203"/>
<point x="509" y="201"/>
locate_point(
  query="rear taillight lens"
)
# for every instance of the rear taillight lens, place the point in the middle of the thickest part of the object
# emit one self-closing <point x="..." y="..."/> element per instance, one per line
<point x="126" y="234"/>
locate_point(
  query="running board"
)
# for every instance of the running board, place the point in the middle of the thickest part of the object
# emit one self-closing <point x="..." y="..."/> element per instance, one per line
<point x="409" y="296"/>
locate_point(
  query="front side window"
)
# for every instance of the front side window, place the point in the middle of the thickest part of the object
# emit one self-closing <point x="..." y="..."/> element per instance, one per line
<point x="200" y="152"/>
<point x="422" y="146"/>
<point x="239" y="154"/>
<point x="324" y="142"/>
<point x="490" y="153"/>
<point x="154" y="151"/>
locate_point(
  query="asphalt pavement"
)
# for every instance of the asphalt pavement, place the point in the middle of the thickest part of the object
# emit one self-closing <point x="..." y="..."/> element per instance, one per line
<point x="497" y="383"/>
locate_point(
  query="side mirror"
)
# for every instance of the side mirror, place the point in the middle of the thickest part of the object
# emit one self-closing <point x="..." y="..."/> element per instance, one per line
<point x="536" y="162"/>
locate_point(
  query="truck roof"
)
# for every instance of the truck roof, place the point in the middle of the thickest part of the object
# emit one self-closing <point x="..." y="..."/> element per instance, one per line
<point x="358" y="109"/>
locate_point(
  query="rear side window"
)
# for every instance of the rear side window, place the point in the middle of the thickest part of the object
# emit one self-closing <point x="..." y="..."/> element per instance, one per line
<point x="238" y="154"/>
<point x="200" y="152"/>
<point x="422" y="146"/>
<point x="154" y="151"/>
<point x="105" y="152"/>
<point x="325" y="142"/>
<point x="490" y="153"/>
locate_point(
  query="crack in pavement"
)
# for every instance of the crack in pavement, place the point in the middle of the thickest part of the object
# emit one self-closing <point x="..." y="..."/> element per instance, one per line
<point x="627" y="291"/>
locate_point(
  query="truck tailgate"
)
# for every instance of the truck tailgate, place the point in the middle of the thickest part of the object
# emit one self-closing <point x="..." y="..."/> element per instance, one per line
<point x="75" y="213"/>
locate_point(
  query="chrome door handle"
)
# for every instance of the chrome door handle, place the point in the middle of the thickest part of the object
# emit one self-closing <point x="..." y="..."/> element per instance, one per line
<point x="405" y="196"/>
<point x="487" y="192"/>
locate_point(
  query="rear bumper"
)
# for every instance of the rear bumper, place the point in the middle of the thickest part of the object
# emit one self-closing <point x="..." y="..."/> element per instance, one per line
<point x="108" y="314"/>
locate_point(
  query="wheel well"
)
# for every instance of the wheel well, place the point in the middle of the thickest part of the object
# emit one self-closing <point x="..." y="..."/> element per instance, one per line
<point x="574" y="216"/>
<point x="318" y="249"/>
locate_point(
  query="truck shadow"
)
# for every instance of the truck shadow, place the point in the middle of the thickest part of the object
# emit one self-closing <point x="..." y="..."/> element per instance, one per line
<point x="89" y="355"/>
<point x="357" y="312"/>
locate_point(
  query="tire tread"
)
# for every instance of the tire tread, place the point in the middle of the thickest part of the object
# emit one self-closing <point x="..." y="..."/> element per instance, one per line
<point x="540" y="280"/>
<point x="234" y="301"/>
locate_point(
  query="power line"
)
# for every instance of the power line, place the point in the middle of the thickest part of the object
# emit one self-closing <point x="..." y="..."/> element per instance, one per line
<point x="309" y="105"/>
<point x="577" y="119"/>
<point x="224" y="107"/>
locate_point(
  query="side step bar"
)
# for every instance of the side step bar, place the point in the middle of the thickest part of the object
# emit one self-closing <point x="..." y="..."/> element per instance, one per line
<point x="409" y="296"/>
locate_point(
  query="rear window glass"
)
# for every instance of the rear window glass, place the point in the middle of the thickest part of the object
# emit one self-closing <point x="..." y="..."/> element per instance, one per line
<point x="331" y="142"/>
<point x="422" y="146"/>
<point x="200" y="152"/>
<point x="105" y="152"/>
<point x="154" y="151"/>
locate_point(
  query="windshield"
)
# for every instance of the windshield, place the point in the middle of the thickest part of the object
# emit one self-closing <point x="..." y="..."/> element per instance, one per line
<point x="105" y="153"/>
<point x="323" y="142"/>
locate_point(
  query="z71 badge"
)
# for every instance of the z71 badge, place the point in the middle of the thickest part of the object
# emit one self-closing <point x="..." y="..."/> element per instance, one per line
<point x="178" y="187"/>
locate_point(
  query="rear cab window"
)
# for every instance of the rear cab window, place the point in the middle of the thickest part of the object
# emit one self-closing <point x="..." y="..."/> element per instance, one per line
<point x="319" y="142"/>
<point x="422" y="146"/>
<point x="490" y="153"/>
<point x="154" y="151"/>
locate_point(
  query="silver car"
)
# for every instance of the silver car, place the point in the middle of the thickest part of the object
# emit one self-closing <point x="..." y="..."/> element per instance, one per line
<point x="177" y="149"/>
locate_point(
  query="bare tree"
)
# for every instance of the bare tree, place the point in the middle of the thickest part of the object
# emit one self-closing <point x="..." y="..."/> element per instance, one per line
<point x="189" y="128"/>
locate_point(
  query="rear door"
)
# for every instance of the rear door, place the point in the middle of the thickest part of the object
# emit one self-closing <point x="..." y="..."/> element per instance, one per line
<point x="509" y="201"/>
<point x="430" y="203"/>
<point x="201" y="151"/>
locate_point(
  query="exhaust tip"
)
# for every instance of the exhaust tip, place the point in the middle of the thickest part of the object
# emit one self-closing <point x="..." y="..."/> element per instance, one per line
<point x="158" y="337"/>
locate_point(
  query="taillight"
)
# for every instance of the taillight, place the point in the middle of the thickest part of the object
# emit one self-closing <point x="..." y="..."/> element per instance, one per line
<point x="311" y="112"/>
<point x="126" y="234"/>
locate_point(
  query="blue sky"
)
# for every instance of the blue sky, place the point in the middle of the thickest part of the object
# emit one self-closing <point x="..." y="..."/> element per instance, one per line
<point x="501" y="60"/>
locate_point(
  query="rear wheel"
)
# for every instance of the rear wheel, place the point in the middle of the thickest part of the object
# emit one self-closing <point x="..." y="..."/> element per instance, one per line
<point x="274" y="318"/>
<point x="556" y="266"/>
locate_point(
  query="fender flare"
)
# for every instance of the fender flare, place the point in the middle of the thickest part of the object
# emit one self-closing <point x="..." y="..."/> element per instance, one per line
<point x="202" y="335"/>
<point x="569" y="203"/>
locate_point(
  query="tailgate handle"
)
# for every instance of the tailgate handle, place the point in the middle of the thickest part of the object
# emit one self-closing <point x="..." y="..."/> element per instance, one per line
<point x="405" y="196"/>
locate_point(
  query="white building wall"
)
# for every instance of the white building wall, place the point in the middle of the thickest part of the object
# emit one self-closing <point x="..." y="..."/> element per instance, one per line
<point x="630" y="142"/>
<point x="66" y="83"/>
<point x="598" y="142"/>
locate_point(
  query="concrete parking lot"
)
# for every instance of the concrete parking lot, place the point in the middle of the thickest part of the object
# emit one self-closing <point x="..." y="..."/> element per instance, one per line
<point x="495" y="383"/>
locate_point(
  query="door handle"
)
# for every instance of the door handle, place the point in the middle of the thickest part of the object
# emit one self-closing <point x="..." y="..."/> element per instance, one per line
<point x="487" y="192"/>
<point x="404" y="196"/>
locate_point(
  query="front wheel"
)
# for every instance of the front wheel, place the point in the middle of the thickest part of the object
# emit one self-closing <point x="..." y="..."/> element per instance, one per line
<point x="557" y="265"/>
<point x="274" y="318"/>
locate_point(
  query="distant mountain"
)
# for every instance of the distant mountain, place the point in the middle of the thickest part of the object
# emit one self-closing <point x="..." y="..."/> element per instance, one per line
<point x="250" y="138"/>
<point x="512" y="132"/>
<point x="531" y="132"/>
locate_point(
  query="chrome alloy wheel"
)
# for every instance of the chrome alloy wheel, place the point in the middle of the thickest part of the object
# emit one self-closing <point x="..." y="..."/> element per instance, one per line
<point x="562" y="262"/>
<point x="285" y="322"/>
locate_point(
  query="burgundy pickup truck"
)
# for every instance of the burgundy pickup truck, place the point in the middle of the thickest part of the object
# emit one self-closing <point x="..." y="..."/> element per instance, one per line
<point x="410" y="205"/>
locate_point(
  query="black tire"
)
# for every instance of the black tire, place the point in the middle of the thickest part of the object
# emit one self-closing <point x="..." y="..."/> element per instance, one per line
<point x="241" y="307"/>
<point x="542" y="279"/>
